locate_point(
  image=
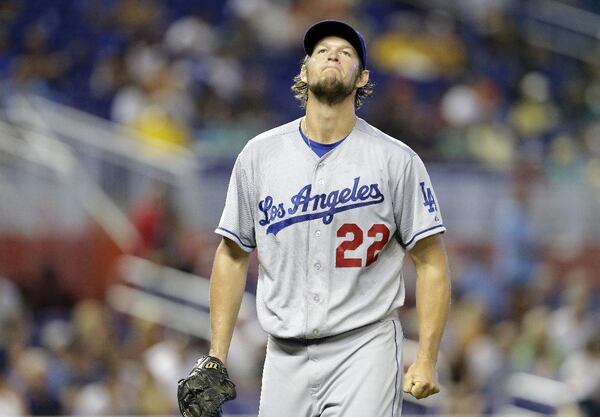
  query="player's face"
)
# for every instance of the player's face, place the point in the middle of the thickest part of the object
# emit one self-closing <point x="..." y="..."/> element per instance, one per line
<point x="333" y="71"/>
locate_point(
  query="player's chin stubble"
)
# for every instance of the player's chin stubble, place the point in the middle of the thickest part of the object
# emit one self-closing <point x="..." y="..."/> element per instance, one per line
<point x="331" y="90"/>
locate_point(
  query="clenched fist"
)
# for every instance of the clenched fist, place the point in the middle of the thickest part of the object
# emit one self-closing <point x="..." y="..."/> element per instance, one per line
<point x="420" y="380"/>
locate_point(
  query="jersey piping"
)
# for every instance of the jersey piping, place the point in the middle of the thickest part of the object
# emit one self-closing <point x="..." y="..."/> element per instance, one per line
<point x="229" y="232"/>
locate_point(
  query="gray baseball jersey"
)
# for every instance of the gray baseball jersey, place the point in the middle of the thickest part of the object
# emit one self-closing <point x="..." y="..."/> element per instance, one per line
<point x="331" y="232"/>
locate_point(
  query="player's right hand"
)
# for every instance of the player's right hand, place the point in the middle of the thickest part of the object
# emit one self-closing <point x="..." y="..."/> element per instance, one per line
<point x="420" y="380"/>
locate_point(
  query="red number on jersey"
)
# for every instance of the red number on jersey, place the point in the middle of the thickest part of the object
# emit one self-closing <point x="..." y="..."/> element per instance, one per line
<point x="340" y="257"/>
<point x="376" y="246"/>
<point x="341" y="261"/>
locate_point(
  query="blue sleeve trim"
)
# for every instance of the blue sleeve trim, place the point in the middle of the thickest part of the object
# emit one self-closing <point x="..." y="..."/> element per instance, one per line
<point x="229" y="232"/>
<point x="407" y="244"/>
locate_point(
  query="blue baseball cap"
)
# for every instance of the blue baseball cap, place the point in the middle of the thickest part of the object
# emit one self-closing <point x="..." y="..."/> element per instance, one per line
<point x="343" y="30"/>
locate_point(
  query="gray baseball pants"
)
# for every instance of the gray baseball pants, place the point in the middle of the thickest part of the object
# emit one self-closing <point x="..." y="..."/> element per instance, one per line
<point x="355" y="374"/>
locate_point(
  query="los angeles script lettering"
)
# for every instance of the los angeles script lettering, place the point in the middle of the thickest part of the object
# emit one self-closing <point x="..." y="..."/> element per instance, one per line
<point x="308" y="206"/>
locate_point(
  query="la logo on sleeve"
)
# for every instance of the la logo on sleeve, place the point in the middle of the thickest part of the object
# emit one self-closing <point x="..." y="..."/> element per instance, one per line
<point x="428" y="198"/>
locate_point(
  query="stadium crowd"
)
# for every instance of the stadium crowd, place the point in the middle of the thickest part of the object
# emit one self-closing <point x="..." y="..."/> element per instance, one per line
<point x="209" y="75"/>
<point x="80" y="357"/>
<point x="457" y="84"/>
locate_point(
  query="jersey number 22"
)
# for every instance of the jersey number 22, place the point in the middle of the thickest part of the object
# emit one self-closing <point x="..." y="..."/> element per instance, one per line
<point x="379" y="231"/>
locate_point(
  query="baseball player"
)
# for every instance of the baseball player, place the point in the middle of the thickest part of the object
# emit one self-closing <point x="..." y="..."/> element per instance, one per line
<point x="332" y="206"/>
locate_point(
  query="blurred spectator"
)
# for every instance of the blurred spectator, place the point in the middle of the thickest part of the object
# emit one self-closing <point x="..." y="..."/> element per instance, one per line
<point x="466" y="324"/>
<point x="582" y="372"/>
<point x="32" y="375"/>
<point x="109" y="76"/>
<point x="591" y="141"/>
<point x="92" y="400"/>
<point x="534" y="113"/>
<point x="37" y="68"/>
<point x="148" y="215"/>
<point x="533" y="351"/>
<point x="10" y="402"/>
<point x="191" y="36"/>
<point x="476" y="280"/>
<point x="572" y="326"/>
<point x="165" y="361"/>
<point x="11" y="304"/>
<point x="162" y="238"/>
<point x="157" y="105"/>
<point x="138" y="18"/>
<point x="152" y="397"/>
<point x="47" y="292"/>
<point x="517" y="239"/>
<point x="419" y="49"/>
<point x="461" y="106"/>
<point x="270" y="21"/>
<point x="565" y="160"/>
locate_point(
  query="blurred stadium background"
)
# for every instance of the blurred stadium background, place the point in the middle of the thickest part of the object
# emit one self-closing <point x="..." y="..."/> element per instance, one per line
<point x="120" y="122"/>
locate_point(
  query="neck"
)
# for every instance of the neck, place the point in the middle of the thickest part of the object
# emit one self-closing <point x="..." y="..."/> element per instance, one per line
<point x="326" y="123"/>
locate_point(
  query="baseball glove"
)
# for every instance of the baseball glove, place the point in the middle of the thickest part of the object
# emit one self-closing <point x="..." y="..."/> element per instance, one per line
<point x="207" y="387"/>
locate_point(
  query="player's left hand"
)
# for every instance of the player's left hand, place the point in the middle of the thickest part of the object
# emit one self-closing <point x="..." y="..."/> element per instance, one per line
<point x="420" y="380"/>
<point x="207" y="387"/>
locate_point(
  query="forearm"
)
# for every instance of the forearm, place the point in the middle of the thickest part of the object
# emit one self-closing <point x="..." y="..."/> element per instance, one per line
<point x="433" y="299"/>
<point x="227" y="283"/>
<point x="432" y="295"/>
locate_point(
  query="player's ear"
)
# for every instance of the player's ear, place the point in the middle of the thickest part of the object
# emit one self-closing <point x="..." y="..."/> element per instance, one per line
<point x="362" y="79"/>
